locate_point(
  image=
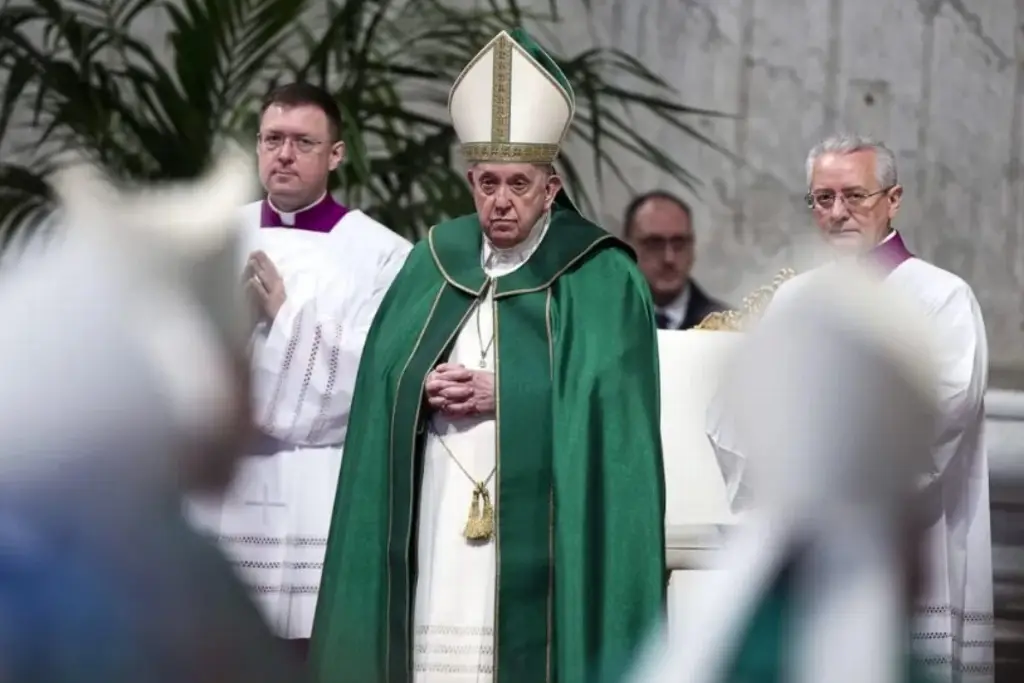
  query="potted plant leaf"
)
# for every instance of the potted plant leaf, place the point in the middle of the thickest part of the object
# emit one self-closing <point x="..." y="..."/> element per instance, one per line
<point x="88" y="75"/>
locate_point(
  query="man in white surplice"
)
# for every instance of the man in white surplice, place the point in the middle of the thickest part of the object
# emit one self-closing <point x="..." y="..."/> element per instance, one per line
<point x="317" y="272"/>
<point x="854" y="195"/>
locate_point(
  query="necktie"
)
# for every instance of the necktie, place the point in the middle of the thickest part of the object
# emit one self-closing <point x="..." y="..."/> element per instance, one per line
<point x="662" y="321"/>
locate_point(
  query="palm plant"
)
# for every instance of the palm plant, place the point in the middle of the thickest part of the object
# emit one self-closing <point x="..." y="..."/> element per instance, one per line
<point x="84" y="75"/>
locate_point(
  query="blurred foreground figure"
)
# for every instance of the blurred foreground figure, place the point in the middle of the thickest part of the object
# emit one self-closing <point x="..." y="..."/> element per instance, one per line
<point x="837" y="391"/>
<point x="124" y="386"/>
<point x="854" y="196"/>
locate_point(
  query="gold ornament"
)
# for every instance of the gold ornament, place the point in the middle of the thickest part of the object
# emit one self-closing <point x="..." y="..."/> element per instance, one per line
<point x="754" y="306"/>
<point x="480" y="525"/>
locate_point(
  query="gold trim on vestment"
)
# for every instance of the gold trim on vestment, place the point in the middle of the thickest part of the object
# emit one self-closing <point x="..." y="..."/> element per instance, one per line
<point x="751" y="310"/>
<point x="551" y="500"/>
<point x="391" y="491"/>
<point x="561" y="271"/>
<point x="551" y="577"/>
<point x="504" y="295"/>
<point x="497" y="486"/>
<point x="551" y="338"/>
<point x="412" y="474"/>
<point x="448" y="278"/>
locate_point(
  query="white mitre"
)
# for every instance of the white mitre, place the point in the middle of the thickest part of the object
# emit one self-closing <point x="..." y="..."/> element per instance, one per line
<point x="836" y="389"/>
<point x="124" y="332"/>
<point x="844" y="366"/>
<point x="531" y="103"/>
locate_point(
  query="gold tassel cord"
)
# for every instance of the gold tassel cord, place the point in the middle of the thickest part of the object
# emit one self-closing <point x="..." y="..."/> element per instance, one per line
<point x="480" y="525"/>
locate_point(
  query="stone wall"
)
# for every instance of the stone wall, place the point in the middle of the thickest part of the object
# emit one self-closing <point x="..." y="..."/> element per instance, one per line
<point x="942" y="81"/>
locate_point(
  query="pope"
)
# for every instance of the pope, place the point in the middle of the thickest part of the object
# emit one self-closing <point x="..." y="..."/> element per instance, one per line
<point x="511" y="372"/>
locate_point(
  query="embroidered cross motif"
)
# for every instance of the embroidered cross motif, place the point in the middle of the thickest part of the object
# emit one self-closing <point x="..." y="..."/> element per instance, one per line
<point x="265" y="503"/>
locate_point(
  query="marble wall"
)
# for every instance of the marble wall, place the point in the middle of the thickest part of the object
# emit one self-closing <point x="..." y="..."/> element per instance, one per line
<point x="942" y="81"/>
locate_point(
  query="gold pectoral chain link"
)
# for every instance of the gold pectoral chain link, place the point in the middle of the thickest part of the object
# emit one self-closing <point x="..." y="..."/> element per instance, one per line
<point x="480" y="336"/>
<point x="480" y="524"/>
<point x="480" y="332"/>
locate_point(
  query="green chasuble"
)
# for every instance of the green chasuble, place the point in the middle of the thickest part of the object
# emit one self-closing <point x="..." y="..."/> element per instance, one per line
<point x="580" y="493"/>
<point x="762" y="653"/>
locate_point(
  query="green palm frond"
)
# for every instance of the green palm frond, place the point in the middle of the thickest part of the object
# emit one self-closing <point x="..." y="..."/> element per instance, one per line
<point x="25" y="201"/>
<point x="96" y="84"/>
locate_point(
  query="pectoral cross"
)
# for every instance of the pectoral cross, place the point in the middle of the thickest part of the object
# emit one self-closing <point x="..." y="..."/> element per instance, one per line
<point x="265" y="503"/>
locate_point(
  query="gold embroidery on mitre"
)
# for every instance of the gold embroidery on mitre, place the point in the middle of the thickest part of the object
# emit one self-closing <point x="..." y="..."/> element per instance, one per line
<point x="501" y="90"/>
<point x="753" y="307"/>
<point x="510" y="152"/>
<point x="500" y="148"/>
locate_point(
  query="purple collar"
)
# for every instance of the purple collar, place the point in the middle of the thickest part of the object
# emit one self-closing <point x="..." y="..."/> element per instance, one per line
<point x="889" y="254"/>
<point x="321" y="217"/>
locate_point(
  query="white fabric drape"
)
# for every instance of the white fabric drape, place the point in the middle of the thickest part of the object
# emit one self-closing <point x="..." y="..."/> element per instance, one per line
<point x="274" y="521"/>
<point x="954" y="625"/>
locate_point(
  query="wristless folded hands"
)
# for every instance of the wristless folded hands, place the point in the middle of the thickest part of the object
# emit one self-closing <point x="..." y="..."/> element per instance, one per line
<point x="457" y="391"/>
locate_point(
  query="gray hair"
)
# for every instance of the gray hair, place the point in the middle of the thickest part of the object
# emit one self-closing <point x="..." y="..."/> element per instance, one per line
<point x="848" y="143"/>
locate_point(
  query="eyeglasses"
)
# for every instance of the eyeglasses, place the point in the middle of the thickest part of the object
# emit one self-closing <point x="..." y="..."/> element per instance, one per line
<point x="652" y="244"/>
<point x="275" y="141"/>
<point x="826" y="199"/>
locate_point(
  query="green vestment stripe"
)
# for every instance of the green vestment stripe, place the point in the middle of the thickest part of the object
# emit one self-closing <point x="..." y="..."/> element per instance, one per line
<point x="449" y="312"/>
<point x="763" y="651"/>
<point x="523" y="483"/>
<point x="524" y="510"/>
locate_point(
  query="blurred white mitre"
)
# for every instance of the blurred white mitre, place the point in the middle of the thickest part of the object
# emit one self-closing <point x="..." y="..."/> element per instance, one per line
<point x="127" y="325"/>
<point x="834" y="395"/>
<point x="692" y="365"/>
<point x="833" y="386"/>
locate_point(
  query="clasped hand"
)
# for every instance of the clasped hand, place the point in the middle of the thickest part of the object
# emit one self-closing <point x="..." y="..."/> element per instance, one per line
<point x="456" y="391"/>
<point x="264" y="284"/>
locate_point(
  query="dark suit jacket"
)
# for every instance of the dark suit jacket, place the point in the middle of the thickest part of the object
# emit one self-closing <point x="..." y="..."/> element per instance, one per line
<point x="700" y="306"/>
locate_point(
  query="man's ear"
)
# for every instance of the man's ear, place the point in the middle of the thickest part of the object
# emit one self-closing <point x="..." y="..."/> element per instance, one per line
<point x="469" y="177"/>
<point x="337" y="155"/>
<point x="895" y="199"/>
<point x="551" y="190"/>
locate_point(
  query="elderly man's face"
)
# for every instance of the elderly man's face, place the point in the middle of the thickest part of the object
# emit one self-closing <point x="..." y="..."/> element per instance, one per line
<point x="510" y="199"/>
<point x="850" y="208"/>
<point x="297" y="152"/>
